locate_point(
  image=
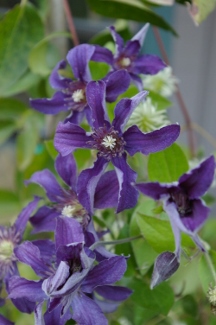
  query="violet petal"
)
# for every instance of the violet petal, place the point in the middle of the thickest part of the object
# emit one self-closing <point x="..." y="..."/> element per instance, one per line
<point x="115" y="293"/>
<point x="50" y="106"/>
<point x="68" y="230"/>
<point x="117" y="82"/>
<point x="148" y="64"/>
<point x="66" y="168"/>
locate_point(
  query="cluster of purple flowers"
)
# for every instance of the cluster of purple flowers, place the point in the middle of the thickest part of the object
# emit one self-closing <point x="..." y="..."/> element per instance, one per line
<point x="76" y="277"/>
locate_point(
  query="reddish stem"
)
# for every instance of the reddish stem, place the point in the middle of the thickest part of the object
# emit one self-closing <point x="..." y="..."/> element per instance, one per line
<point x="70" y="22"/>
<point x="178" y="94"/>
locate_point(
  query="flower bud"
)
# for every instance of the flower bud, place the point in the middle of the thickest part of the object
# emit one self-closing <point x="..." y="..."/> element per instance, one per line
<point x="165" y="265"/>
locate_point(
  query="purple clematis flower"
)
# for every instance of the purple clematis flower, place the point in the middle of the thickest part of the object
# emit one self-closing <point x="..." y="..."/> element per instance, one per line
<point x="181" y="200"/>
<point x="128" y="56"/>
<point x="5" y="321"/>
<point x="70" y="280"/>
<point x="111" y="142"/>
<point x="64" y="200"/>
<point x="71" y="93"/>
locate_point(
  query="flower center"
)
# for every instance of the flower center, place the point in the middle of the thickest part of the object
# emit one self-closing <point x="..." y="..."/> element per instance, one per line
<point x="125" y="62"/>
<point x="108" y="142"/>
<point x="183" y="204"/>
<point x="73" y="209"/>
<point x="78" y="95"/>
<point x="6" y="250"/>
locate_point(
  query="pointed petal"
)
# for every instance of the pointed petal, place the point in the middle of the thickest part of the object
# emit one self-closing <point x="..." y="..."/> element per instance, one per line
<point x="165" y="265"/>
<point x="47" y="180"/>
<point x="95" y="95"/>
<point x="78" y="59"/>
<point x="22" y="288"/>
<point x="115" y="293"/>
<point x="106" y="194"/>
<point x="29" y="254"/>
<point x="38" y="314"/>
<point x="69" y="137"/>
<point x="55" y="318"/>
<point x="128" y="194"/>
<point x="153" y="190"/>
<point x="46" y="248"/>
<point x="147" y="143"/>
<point x="107" y="306"/>
<point x="87" y="182"/>
<point x="117" y="82"/>
<point x="86" y="311"/>
<point x="118" y="40"/>
<point x="51" y="106"/>
<point x="140" y="36"/>
<point x="56" y="80"/>
<point x="148" y="64"/>
<point x="137" y="81"/>
<point x="68" y="230"/>
<point x="66" y="168"/>
<point x="25" y="214"/>
<point x="101" y="54"/>
<point x="125" y="108"/>
<point x="105" y="273"/>
<point x="132" y="49"/>
<point x="44" y="220"/>
<point x="197" y="181"/>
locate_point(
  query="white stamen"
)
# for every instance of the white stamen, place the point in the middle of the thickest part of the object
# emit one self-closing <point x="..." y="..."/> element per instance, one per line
<point x="68" y="211"/>
<point x="125" y="62"/>
<point x="78" y="95"/>
<point x="109" y="142"/>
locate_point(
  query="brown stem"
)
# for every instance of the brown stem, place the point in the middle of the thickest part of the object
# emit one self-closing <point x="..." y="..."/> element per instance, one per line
<point x="70" y="22"/>
<point x="178" y="94"/>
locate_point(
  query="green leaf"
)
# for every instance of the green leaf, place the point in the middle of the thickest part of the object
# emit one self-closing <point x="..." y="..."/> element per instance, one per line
<point x="9" y="204"/>
<point x="20" y="28"/>
<point x="168" y="165"/>
<point x="189" y="305"/>
<point x="205" y="274"/>
<point x="160" y="300"/>
<point x="43" y="56"/>
<point x="143" y="252"/>
<point x="129" y="9"/>
<point x="51" y="149"/>
<point x="98" y="70"/>
<point x="11" y="109"/>
<point x="7" y="128"/>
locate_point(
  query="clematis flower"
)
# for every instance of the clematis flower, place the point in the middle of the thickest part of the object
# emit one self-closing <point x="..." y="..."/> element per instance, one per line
<point x="5" y="321"/>
<point x="182" y="202"/>
<point x="70" y="280"/>
<point x="128" y="56"/>
<point x="71" y="93"/>
<point x="111" y="142"/>
<point x="64" y="200"/>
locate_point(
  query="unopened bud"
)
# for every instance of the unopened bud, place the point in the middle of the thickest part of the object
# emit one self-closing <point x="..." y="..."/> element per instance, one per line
<point x="165" y="265"/>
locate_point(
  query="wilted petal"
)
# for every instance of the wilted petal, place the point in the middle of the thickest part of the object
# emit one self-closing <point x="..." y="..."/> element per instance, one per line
<point x="147" y="143"/>
<point x="22" y="288"/>
<point x="78" y="59"/>
<point x="87" y="182"/>
<point x="117" y="82"/>
<point x="69" y="137"/>
<point x="25" y="214"/>
<point x="47" y="180"/>
<point x="148" y="64"/>
<point x="125" y="108"/>
<point x="50" y="106"/>
<point x="128" y="194"/>
<point x="68" y="230"/>
<point x="197" y="181"/>
<point x="165" y="265"/>
<point x="106" y="194"/>
<point x="95" y="95"/>
<point x="106" y="272"/>
<point x="115" y="293"/>
<point x="66" y="168"/>
<point x="86" y="311"/>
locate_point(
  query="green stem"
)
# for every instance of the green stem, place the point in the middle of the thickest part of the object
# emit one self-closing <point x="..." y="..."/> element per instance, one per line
<point x="23" y="2"/>
<point x="114" y="242"/>
<point x="211" y="266"/>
